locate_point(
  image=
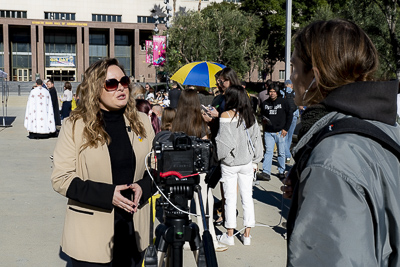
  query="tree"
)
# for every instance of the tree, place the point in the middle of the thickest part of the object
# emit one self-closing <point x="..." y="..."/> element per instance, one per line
<point x="220" y="32"/>
<point x="273" y="30"/>
<point x="379" y="19"/>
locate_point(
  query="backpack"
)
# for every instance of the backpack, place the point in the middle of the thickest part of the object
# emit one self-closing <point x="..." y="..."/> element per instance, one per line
<point x="346" y="125"/>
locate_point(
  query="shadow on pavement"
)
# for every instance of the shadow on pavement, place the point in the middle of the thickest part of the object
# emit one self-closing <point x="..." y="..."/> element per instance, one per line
<point x="273" y="199"/>
<point x="65" y="257"/>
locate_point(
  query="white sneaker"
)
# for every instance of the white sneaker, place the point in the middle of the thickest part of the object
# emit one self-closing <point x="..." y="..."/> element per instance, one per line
<point x="219" y="247"/>
<point x="225" y="239"/>
<point x="246" y="240"/>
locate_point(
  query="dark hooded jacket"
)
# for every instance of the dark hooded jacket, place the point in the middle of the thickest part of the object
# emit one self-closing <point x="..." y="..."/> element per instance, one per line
<point x="348" y="211"/>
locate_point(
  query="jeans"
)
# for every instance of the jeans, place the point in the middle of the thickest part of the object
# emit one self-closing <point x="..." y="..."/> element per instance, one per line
<point x="270" y="140"/>
<point x="231" y="176"/>
<point x="290" y="134"/>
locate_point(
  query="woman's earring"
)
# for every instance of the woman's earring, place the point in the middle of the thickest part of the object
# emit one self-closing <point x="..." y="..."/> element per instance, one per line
<point x="305" y="93"/>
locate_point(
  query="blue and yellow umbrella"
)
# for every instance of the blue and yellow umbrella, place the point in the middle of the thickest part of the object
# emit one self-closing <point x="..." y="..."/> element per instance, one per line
<point x="199" y="73"/>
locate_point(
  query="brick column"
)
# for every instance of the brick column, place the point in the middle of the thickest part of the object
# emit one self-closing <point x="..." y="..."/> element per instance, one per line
<point x="40" y="52"/>
<point x="34" y="52"/>
<point x="6" y="42"/>
<point x="86" y="47"/>
<point x="111" y="53"/>
<point x="136" y="54"/>
<point x="79" y="55"/>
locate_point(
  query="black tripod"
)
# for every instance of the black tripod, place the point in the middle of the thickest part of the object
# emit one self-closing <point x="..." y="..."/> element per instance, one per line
<point x="177" y="229"/>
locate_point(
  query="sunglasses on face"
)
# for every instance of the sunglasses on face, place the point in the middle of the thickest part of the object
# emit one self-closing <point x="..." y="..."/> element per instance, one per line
<point x="112" y="84"/>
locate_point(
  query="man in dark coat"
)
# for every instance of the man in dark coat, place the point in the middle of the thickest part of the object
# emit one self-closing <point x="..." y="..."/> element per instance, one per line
<point x="54" y="101"/>
<point x="174" y="95"/>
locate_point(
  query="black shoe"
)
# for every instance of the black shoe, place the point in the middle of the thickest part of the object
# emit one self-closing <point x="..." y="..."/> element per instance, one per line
<point x="262" y="176"/>
<point x="281" y="176"/>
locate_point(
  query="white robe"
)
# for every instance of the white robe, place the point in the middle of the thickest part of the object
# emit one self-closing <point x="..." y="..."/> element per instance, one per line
<point x="39" y="117"/>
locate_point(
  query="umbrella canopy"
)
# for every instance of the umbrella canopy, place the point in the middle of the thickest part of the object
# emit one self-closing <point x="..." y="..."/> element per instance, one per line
<point x="199" y="73"/>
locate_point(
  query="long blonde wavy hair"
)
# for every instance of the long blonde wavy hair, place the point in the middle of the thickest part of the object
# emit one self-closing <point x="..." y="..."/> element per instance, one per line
<point x="88" y="109"/>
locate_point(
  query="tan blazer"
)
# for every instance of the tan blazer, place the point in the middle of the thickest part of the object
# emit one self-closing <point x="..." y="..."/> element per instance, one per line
<point x="88" y="230"/>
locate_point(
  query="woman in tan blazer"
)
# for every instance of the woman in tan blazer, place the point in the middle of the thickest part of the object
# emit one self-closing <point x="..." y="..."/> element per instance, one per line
<point x="99" y="165"/>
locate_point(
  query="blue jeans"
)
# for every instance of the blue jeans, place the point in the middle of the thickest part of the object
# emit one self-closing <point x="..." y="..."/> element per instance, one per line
<point x="290" y="134"/>
<point x="270" y="140"/>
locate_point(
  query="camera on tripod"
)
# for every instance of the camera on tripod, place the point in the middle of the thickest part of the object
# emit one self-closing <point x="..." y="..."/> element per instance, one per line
<point x="179" y="160"/>
<point x="181" y="154"/>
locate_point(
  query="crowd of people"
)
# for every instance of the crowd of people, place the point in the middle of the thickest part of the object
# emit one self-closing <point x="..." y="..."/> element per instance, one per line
<point x="345" y="206"/>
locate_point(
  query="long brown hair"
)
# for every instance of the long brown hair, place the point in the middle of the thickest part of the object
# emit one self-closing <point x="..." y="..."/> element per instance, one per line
<point x="88" y="110"/>
<point x="167" y="118"/>
<point x="188" y="118"/>
<point x="338" y="52"/>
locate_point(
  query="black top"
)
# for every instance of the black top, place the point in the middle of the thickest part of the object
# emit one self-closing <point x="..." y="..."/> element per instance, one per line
<point x="174" y="95"/>
<point x="56" y="109"/>
<point x="122" y="156"/>
<point x="278" y="112"/>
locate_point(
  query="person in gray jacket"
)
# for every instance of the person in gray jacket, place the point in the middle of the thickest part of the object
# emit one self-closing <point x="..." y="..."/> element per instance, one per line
<point x="347" y="209"/>
<point x="239" y="147"/>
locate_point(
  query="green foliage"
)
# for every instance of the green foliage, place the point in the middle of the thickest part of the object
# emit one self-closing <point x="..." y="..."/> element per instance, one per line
<point x="221" y="33"/>
<point x="379" y="19"/>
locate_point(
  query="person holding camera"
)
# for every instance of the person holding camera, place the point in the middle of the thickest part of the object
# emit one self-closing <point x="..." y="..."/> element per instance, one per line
<point x="99" y="165"/>
<point x="239" y="147"/>
<point x="189" y="119"/>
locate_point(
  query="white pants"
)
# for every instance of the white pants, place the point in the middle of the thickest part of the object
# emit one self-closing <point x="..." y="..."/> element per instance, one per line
<point x="206" y="195"/>
<point x="231" y="176"/>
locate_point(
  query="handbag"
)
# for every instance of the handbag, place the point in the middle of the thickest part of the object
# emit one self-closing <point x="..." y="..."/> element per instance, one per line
<point x="214" y="174"/>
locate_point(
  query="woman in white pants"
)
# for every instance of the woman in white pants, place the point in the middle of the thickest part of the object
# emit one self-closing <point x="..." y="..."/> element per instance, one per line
<point x="239" y="147"/>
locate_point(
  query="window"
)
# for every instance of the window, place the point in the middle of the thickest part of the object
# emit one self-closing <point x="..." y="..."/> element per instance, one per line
<point x="148" y="19"/>
<point x="282" y="75"/>
<point x="12" y="14"/>
<point x="107" y="18"/>
<point x="98" y="46"/>
<point x="123" y="50"/>
<point x="59" y="16"/>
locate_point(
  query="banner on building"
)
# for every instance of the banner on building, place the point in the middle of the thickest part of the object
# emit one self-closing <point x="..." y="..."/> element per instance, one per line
<point x="149" y="51"/>
<point x="159" y="49"/>
<point x="68" y="61"/>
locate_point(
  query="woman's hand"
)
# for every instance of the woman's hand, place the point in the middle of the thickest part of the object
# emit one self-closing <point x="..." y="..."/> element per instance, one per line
<point x="287" y="188"/>
<point x="138" y="194"/>
<point x="213" y="112"/>
<point x="206" y="118"/>
<point x="121" y="201"/>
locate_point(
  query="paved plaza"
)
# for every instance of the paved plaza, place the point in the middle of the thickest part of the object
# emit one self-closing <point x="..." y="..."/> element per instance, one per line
<point x="32" y="213"/>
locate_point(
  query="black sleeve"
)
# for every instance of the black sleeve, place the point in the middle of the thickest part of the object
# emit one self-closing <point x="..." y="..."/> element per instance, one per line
<point x="92" y="193"/>
<point x="146" y="185"/>
<point x="289" y="116"/>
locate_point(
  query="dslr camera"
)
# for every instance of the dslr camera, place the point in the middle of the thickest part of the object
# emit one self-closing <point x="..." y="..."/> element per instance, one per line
<point x="180" y="154"/>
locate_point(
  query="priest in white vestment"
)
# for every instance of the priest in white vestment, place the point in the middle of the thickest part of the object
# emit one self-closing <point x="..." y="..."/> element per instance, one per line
<point x="39" y="117"/>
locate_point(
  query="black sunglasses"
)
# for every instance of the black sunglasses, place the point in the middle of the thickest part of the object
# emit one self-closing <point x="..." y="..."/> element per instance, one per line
<point x="112" y="84"/>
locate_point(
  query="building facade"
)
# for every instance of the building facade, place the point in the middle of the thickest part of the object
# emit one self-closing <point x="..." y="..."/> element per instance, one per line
<point x="60" y="39"/>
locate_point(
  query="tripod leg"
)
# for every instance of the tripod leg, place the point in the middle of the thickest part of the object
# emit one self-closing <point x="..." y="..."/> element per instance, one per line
<point x="161" y="259"/>
<point x="197" y="246"/>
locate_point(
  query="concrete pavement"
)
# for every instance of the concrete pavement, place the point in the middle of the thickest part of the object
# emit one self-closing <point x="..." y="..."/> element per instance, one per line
<point x="32" y="214"/>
